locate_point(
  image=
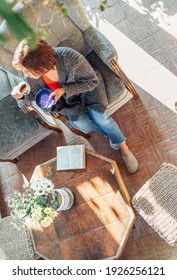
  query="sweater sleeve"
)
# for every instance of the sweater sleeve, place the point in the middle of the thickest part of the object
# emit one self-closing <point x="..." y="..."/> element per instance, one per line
<point x="81" y="76"/>
<point x="21" y="102"/>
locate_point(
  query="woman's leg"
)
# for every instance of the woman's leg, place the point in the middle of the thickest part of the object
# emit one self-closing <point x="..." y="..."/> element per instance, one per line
<point x="109" y="127"/>
<point x="113" y="132"/>
<point x="86" y="124"/>
<point x="95" y="120"/>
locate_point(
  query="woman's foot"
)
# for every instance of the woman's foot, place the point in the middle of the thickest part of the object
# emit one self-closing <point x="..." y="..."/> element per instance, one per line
<point x="131" y="163"/>
<point x="129" y="159"/>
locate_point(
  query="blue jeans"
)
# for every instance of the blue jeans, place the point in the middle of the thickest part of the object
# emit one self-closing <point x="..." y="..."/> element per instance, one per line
<point x="95" y="120"/>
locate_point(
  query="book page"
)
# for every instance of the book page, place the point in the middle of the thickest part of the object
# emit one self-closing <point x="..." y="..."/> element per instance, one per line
<point x="71" y="157"/>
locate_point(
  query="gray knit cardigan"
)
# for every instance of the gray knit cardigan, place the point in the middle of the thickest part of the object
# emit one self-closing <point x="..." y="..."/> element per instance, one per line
<point x="84" y="87"/>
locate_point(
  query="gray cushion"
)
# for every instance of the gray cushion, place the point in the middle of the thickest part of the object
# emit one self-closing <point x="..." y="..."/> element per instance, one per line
<point x="15" y="126"/>
<point x="100" y="44"/>
<point x="7" y="82"/>
<point x="76" y="42"/>
<point x="114" y="85"/>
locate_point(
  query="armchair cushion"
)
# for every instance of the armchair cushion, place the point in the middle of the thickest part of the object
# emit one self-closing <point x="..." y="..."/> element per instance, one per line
<point x="17" y="129"/>
<point x="7" y="82"/>
<point x="75" y="40"/>
<point x="114" y="85"/>
<point x="15" y="126"/>
<point x="100" y="44"/>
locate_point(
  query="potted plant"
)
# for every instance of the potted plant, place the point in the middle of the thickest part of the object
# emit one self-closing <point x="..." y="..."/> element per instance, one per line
<point x="40" y="202"/>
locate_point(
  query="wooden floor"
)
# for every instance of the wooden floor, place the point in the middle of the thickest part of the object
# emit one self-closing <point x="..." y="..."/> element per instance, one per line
<point x="151" y="132"/>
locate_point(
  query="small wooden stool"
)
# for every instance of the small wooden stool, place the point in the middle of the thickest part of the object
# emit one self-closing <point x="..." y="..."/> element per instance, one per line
<point x="156" y="202"/>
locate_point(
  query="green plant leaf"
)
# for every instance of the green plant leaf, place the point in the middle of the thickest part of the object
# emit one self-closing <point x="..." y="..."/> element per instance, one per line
<point x="5" y="8"/>
<point x="64" y="11"/>
<point x="101" y="8"/>
<point x="61" y="4"/>
<point x="17" y="25"/>
<point x="3" y="36"/>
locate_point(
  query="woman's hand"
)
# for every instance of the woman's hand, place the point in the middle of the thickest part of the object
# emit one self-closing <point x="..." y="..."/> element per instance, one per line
<point x="57" y="93"/>
<point x="15" y="93"/>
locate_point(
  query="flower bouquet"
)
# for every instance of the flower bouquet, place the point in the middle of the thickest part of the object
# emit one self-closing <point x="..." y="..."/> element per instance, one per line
<point x="39" y="202"/>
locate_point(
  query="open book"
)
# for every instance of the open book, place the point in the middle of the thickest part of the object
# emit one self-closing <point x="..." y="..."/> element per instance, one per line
<point x="71" y="157"/>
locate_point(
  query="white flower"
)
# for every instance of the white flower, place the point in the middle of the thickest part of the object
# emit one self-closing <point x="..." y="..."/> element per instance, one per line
<point x="46" y="221"/>
<point x="36" y="217"/>
<point x="35" y="202"/>
<point x="37" y="210"/>
<point x="36" y="213"/>
<point x="40" y="192"/>
<point x="48" y="210"/>
<point x="53" y="214"/>
<point x="42" y="186"/>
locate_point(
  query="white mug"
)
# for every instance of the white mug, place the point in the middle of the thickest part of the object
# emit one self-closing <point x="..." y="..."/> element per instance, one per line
<point x="23" y="88"/>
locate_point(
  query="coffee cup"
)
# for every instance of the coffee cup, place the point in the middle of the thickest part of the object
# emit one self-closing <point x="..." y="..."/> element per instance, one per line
<point x="23" y="88"/>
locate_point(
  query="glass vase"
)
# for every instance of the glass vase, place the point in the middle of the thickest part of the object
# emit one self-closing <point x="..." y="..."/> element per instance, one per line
<point x="65" y="199"/>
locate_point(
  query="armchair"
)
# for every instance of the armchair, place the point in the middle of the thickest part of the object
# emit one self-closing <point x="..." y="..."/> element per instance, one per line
<point x="18" y="131"/>
<point x="75" y="31"/>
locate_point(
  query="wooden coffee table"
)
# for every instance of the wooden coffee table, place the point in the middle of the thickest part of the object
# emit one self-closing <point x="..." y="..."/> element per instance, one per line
<point x="99" y="223"/>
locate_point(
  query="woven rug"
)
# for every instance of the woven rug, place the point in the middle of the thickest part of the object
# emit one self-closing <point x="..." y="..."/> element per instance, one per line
<point x="156" y="202"/>
<point x="15" y="244"/>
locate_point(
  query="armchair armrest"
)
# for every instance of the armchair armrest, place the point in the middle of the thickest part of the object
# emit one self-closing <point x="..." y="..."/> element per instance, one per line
<point x="69" y="126"/>
<point x="45" y="120"/>
<point x="100" y="44"/>
<point x="107" y="53"/>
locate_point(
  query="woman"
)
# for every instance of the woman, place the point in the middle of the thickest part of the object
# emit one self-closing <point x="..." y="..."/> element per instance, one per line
<point x="78" y="90"/>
